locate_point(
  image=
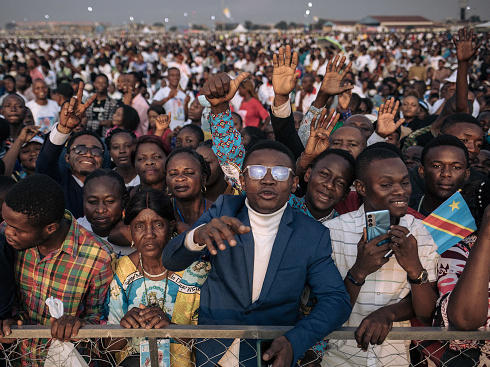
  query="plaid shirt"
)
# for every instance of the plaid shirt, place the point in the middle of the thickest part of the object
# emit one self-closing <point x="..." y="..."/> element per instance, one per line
<point x="79" y="273"/>
<point x="96" y="113"/>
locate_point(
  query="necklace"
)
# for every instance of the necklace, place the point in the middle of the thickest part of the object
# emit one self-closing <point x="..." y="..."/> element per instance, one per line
<point x="148" y="274"/>
<point x="146" y="289"/>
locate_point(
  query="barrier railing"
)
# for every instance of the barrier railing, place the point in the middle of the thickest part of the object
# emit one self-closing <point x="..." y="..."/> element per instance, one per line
<point x="99" y="344"/>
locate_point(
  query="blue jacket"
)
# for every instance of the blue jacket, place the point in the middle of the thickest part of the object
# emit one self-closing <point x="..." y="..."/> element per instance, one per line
<point x="301" y="255"/>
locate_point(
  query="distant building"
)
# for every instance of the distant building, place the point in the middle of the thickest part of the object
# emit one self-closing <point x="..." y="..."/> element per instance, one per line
<point x="398" y="22"/>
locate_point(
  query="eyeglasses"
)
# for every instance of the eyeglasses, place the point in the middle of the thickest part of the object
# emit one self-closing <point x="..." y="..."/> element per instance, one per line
<point x="258" y="172"/>
<point x="83" y="149"/>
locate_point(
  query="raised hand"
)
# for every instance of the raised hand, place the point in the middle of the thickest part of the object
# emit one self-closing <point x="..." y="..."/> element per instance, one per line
<point x="220" y="88"/>
<point x="162" y="122"/>
<point x="219" y="230"/>
<point x="320" y="129"/>
<point x="336" y="71"/>
<point x="73" y="111"/>
<point x="386" y="118"/>
<point x="284" y="75"/>
<point x="466" y="44"/>
<point x="81" y="107"/>
<point x="27" y="133"/>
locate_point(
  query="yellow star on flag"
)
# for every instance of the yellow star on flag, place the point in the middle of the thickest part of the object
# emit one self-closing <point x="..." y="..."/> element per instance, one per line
<point x="454" y="205"/>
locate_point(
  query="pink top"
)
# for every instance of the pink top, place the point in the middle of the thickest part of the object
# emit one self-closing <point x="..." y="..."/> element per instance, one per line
<point x="141" y="106"/>
<point x="252" y="112"/>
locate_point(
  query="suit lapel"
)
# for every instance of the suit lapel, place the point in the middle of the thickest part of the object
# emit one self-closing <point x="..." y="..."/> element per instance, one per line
<point x="280" y="244"/>
<point x="247" y="244"/>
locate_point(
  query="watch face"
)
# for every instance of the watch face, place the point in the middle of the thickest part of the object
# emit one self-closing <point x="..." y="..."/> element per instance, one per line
<point x="425" y="276"/>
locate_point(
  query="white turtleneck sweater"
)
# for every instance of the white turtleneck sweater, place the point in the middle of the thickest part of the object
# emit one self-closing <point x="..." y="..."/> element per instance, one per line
<point x="264" y="230"/>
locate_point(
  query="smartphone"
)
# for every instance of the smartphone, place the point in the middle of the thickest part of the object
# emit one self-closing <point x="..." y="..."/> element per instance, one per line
<point x="377" y="224"/>
<point x="262" y="346"/>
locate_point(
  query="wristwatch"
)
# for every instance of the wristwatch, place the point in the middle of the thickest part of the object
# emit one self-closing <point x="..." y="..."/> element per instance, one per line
<point x="421" y="279"/>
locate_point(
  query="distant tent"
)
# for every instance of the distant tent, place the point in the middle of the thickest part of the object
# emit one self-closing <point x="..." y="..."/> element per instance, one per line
<point x="369" y="21"/>
<point x="332" y="41"/>
<point x="239" y="29"/>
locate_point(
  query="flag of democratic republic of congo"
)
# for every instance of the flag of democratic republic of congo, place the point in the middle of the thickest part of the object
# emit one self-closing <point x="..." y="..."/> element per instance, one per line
<point x="450" y="222"/>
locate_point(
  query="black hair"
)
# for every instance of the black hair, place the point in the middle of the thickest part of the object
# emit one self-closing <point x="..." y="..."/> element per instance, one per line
<point x="370" y="155"/>
<point x="147" y="198"/>
<point x="73" y="137"/>
<point x="15" y="95"/>
<point x="103" y="76"/>
<point x="158" y="109"/>
<point x="255" y="134"/>
<point x="206" y="143"/>
<point x="386" y="145"/>
<point x="272" y="145"/>
<point x="196" y="130"/>
<point x="8" y="76"/>
<point x="65" y="89"/>
<point x="445" y="140"/>
<point x="456" y="118"/>
<point x="338" y="152"/>
<point x="6" y="183"/>
<point x="205" y="170"/>
<point x="105" y="172"/>
<point x="130" y="119"/>
<point x="172" y="68"/>
<point x="40" y="198"/>
<point x="147" y="139"/>
<point x="238" y="116"/>
<point x="116" y="131"/>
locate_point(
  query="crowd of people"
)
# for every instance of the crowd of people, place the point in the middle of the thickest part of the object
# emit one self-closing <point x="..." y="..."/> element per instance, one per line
<point x="226" y="181"/>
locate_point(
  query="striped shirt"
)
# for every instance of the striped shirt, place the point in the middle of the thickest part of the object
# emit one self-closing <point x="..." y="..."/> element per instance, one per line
<point x="78" y="273"/>
<point x="385" y="287"/>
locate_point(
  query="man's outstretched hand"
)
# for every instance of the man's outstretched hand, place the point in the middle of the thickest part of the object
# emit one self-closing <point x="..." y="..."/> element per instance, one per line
<point x="284" y="75"/>
<point x="72" y="112"/>
<point x="466" y="44"/>
<point x="332" y="81"/>
<point x="219" y="89"/>
<point x="218" y="231"/>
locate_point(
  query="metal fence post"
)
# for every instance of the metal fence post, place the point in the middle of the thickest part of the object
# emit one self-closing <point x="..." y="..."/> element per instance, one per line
<point x="152" y="342"/>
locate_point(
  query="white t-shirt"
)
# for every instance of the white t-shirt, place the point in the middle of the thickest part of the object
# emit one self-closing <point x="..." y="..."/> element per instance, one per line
<point x="44" y="116"/>
<point x="118" y="250"/>
<point x="175" y="106"/>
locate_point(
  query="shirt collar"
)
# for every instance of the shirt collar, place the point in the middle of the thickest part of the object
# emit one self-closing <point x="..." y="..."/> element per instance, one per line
<point x="77" y="180"/>
<point x="70" y="243"/>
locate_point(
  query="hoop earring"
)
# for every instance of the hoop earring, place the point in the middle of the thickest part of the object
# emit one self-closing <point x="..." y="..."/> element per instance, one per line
<point x="203" y="189"/>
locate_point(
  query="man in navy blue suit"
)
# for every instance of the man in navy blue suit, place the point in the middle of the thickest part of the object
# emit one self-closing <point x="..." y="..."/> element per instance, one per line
<point x="263" y="254"/>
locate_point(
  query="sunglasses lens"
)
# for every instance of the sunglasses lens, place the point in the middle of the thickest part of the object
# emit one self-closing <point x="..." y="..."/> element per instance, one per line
<point x="280" y="173"/>
<point x="97" y="152"/>
<point x="257" y="172"/>
<point x="81" y="149"/>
